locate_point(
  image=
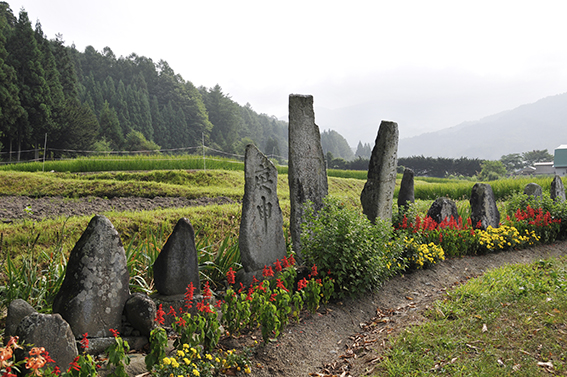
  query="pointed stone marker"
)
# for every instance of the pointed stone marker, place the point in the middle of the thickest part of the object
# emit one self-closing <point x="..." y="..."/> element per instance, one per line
<point x="483" y="207"/>
<point x="557" y="191"/>
<point x="95" y="288"/>
<point x="261" y="237"/>
<point x="378" y="194"/>
<point x="307" y="173"/>
<point x="177" y="264"/>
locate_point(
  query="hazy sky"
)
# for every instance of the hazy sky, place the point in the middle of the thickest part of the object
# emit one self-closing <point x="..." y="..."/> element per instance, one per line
<point x="424" y="64"/>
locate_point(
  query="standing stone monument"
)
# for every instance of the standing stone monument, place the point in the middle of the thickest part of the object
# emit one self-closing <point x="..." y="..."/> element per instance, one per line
<point x="557" y="191"/>
<point x="378" y="193"/>
<point x="177" y="264"/>
<point x="95" y="288"/>
<point x="483" y="207"/>
<point x="307" y="173"/>
<point x="443" y="208"/>
<point x="261" y="237"/>
<point x="533" y="189"/>
<point x="406" y="194"/>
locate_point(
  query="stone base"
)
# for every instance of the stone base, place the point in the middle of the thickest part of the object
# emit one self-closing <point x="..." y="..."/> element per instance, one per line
<point x="97" y="346"/>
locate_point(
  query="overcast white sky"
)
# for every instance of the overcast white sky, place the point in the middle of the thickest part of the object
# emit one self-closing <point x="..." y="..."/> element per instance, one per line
<point x="424" y="64"/>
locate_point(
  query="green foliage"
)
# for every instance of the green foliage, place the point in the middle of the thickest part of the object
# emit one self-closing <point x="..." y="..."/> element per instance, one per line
<point x="118" y="356"/>
<point x="492" y="170"/>
<point x="342" y="240"/>
<point x="534" y="156"/>
<point x="135" y="141"/>
<point x="441" y="166"/>
<point x="158" y="344"/>
<point x="334" y="143"/>
<point x="512" y="162"/>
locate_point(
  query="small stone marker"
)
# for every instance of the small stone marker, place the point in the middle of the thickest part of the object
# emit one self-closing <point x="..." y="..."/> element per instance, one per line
<point x="557" y="191"/>
<point x="261" y="237"/>
<point x="533" y="189"/>
<point x="378" y="193"/>
<point x="17" y="310"/>
<point x="443" y="208"/>
<point x="53" y="333"/>
<point x="406" y="194"/>
<point x="177" y="264"/>
<point x="95" y="288"/>
<point x="483" y="207"/>
<point x="307" y="173"/>
<point x="141" y="312"/>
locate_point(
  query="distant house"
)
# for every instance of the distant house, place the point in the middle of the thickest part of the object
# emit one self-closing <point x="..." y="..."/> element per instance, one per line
<point x="544" y="168"/>
<point x="560" y="160"/>
<point x="528" y="170"/>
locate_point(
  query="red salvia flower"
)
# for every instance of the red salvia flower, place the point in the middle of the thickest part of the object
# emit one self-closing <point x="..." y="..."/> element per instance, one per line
<point x="159" y="315"/>
<point x="302" y="284"/>
<point x="115" y="333"/>
<point x="313" y="271"/>
<point x="181" y="322"/>
<point x="204" y="308"/>
<point x="85" y="342"/>
<point x="171" y="311"/>
<point x="241" y="288"/>
<point x="285" y="262"/>
<point x="74" y="365"/>
<point x="291" y="260"/>
<point x="230" y="276"/>
<point x="207" y="291"/>
<point x="273" y="297"/>
<point x="189" y="294"/>
<point x="281" y="285"/>
<point x="57" y="371"/>
<point x="249" y="295"/>
<point x="254" y="281"/>
<point x="278" y="265"/>
<point x="267" y="272"/>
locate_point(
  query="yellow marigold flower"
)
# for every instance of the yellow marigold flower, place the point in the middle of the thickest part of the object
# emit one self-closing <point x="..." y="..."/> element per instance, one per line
<point x="186" y="361"/>
<point x="185" y="346"/>
<point x="217" y="360"/>
<point x="180" y="353"/>
<point x="174" y="363"/>
<point x="196" y="372"/>
<point x="247" y="370"/>
<point x="209" y="357"/>
<point x="166" y="361"/>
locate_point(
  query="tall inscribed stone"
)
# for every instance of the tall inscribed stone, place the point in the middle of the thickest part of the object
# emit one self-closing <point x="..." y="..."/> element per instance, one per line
<point x="261" y="237"/>
<point x="378" y="194"/>
<point x="307" y="173"/>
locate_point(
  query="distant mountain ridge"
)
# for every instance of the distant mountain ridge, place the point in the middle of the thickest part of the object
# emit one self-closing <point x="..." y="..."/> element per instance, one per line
<point x="536" y="126"/>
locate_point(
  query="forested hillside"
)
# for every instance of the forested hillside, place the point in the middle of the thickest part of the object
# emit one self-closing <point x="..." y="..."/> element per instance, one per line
<point x="94" y="100"/>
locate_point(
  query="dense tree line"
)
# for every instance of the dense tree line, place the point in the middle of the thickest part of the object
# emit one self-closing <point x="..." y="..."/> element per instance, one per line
<point x="336" y="144"/>
<point x="95" y="100"/>
<point x="441" y="167"/>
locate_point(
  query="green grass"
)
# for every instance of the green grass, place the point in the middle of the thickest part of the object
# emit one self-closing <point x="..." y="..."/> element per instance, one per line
<point x="516" y="314"/>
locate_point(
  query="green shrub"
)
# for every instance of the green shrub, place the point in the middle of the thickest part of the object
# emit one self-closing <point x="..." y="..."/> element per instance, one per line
<point x="342" y="241"/>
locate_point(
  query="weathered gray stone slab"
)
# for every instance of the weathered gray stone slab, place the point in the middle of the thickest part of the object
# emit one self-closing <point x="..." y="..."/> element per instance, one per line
<point x="261" y="237"/>
<point x="483" y="207"/>
<point x="95" y="288"/>
<point x="406" y="194"/>
<point x="307" y="173"/>
<point x="177" y="264"/>
<point x="51" y="332"/>
<point x="17" y="310"/>
<point x="378" y="193"/>
<point x="533" y="189"/>
<point x="443" y="208"/>
<point x="557" y="191"/>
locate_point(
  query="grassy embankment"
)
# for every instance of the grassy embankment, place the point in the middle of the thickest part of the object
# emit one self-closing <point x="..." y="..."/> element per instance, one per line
<point x="510" y="321"/>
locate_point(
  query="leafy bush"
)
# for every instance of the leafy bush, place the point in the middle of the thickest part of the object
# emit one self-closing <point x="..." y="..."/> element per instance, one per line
<point x="341" y="241"/>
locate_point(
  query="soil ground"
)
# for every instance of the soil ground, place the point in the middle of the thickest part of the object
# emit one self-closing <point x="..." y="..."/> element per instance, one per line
<point x="345" y="338"/>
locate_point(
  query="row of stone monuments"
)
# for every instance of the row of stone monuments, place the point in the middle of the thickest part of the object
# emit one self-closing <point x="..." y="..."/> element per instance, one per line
<point x="95" y="295"/>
